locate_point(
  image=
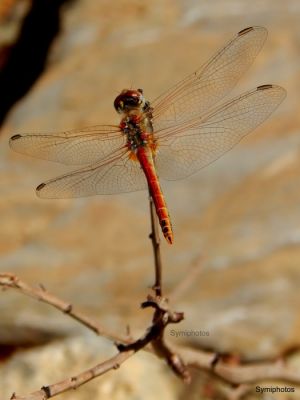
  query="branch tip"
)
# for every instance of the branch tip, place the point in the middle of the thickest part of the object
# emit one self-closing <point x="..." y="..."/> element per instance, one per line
<point x="176" y="316"/>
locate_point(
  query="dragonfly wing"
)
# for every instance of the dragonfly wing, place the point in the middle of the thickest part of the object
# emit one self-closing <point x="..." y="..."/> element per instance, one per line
<point x="211" y="82"/>
<point x="188" y="147"/>
<point x="117" y="175"/>
<point x="75" y="147"/>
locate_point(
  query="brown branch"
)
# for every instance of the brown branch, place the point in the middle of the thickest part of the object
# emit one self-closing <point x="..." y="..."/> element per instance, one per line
<point x="179" y="358"/>
<point x="172" y="357"/>
<point x="8" y="280"/>
<point x="46" y="392"/>
<point x="239" y="373"/>
<point x="155" y="335"/>
<point x="154" y="236"/>
<point x="162" y="316"/>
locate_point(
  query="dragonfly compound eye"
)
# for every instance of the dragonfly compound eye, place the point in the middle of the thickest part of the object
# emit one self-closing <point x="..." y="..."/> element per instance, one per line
<point x="128" y="100"/>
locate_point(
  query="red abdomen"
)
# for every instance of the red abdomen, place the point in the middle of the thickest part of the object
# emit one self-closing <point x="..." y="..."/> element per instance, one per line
<point x="145" y="158"/>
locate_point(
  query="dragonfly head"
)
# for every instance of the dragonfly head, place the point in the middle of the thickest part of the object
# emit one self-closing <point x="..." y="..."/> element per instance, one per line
<point x="129" y="100"/>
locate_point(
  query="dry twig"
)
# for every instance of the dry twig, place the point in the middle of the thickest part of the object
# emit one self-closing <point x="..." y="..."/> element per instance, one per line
<point x="8" y="280"/>
<point x="240" y="373"/>
<point x="199" y="359"/>
<point x="46" y="392"/>
<point x="179" y="358"/>
<point x="154" y="236"/>
<point x="162" y="316"/>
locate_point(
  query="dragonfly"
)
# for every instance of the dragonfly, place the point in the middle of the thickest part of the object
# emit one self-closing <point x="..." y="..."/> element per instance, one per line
<point x="177" y="134"/>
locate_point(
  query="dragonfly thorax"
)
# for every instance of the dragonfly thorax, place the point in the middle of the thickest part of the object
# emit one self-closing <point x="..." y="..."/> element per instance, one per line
<point x="136" y="123"/>
<point x="133" y="128"/>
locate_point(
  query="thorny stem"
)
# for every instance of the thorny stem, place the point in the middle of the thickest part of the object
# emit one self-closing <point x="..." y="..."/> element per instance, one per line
<point x="154" y="236"/>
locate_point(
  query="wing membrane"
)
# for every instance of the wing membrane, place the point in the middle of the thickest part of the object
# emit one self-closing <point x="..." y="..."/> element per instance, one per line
<point x="75" y="147"/>
<point x="117" y="175"/>
<point x="211" y="82"/>
<point x="186" y="148"/>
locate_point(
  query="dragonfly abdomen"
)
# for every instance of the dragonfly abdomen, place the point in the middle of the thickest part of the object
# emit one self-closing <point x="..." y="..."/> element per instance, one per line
<point x="144" y="156"/>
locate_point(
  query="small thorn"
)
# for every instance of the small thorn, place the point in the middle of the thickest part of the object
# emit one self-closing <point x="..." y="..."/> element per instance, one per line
<point x="68" y="309"/>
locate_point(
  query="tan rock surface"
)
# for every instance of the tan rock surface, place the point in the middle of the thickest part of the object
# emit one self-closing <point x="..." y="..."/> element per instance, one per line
<point x="241" y="213"/>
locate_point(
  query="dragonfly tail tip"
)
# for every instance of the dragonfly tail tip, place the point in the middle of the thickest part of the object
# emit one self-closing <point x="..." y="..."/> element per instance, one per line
<point x="169" y="239"/>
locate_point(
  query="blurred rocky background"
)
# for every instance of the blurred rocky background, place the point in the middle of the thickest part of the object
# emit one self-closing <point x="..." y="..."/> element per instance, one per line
<point x="237" y="221"/>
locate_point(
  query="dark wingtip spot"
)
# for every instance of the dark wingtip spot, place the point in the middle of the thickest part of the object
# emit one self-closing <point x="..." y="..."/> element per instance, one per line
<point x="40" y="187"/>
<point x="246" y="30"/>
<point x="264" y="87"/>
<point x="15" y="137"/>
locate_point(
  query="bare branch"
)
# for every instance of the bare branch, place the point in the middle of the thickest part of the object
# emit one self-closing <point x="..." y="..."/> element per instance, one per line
<point x="239" y="373"/>
<point x="179" y="358"/>
<point x="173" y="359"/>
<point x="154" y="236"/>
<point x="8" y="280"/>
<point x="155" y="335"/>
<point x="46" y="392"/>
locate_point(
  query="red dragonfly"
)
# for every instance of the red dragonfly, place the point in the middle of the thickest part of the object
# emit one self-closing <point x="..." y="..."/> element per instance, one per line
<point x="180" y="132"/>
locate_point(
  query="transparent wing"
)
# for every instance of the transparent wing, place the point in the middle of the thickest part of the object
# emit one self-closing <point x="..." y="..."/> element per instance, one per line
<point x="211" y="82"/>
<point x="116" y="175"/>
<point x="75" y="147"/>
<point x="185" y="148"/>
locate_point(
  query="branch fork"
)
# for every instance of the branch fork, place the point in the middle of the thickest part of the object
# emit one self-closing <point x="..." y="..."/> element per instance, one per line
<point x="179" y="359"/>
